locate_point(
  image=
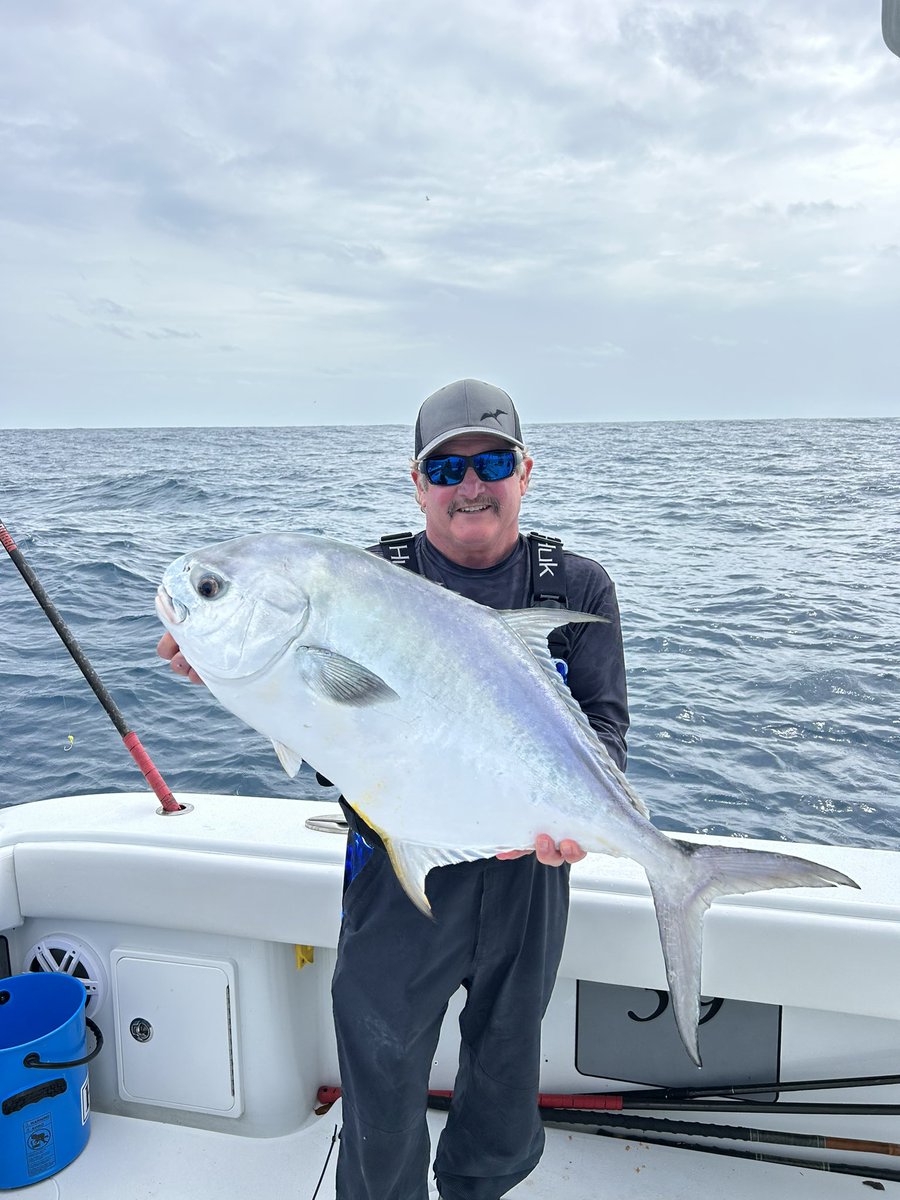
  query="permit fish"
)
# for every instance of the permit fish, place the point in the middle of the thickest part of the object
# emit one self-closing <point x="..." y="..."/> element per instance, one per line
<point x="444" y="723"/>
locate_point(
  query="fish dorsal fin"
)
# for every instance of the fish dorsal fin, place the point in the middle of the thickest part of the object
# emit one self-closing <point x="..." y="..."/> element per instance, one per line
<point x="334" y="677"/>
<point x="533" y="625"/>
<point x="291" y="761"/>
<point x="412" y="861"/>
<point x="636" y="802"/>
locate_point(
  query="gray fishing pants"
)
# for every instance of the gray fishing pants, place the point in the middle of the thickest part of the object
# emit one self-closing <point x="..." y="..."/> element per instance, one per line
<point x="498" y="930"/>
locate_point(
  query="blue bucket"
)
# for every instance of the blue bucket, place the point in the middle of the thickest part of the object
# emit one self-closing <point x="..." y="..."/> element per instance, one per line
<point x="44" y="1098"/>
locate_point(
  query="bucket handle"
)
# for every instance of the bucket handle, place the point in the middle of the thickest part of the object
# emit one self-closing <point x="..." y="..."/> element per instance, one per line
<point x="34" y="1059"/>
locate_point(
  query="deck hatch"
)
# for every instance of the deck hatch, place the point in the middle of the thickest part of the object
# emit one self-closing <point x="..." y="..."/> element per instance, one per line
<point x="174" y="1032"/>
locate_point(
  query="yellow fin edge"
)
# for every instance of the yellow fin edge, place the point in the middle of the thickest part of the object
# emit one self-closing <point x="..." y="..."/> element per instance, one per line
<point x="409" y="885"/>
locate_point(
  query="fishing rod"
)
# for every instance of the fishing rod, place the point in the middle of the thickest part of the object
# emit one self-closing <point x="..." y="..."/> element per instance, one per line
<point x="132" y="742"/>
<point x="736" y="1133"/>
<point x="608" y="1124"/>
<point x="566" y="1109"/>
<point x="739" y="1091"/>
<point x="887" y="1110"/>
<point x="582" y="1109"/>
<point x="642" y="1128"/>
<point x="806" y="1164"/>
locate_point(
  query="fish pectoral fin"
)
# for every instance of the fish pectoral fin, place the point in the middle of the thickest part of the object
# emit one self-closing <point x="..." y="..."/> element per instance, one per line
<point x="291" y="761"/>
<point x="412" y="861"/>
<point x="334" y="677"/>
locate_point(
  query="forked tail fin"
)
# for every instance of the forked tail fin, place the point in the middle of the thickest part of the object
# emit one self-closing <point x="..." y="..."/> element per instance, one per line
<point x="682" y="892"/>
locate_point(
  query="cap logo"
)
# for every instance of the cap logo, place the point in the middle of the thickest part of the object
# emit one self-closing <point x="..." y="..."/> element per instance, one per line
<point x="495" y="415"/>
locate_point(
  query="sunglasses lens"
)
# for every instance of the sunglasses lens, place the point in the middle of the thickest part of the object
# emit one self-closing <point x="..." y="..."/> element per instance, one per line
<point x="494" y="465"/>
<point x="448" y="470"/>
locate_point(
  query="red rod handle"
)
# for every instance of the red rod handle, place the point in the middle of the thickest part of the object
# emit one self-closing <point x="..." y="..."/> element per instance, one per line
<point x="150" y="773"/>
<point x="595" y="1103"/>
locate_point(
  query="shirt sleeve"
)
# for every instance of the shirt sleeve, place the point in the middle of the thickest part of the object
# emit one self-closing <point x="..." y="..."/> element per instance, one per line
<point x="596" y="663"/>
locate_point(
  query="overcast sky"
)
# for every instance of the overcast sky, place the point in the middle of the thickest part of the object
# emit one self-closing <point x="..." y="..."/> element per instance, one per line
<point x="318" y="211"/>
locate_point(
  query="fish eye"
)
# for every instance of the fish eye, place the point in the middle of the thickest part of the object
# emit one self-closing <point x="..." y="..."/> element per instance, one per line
<point x="209" y="586"/>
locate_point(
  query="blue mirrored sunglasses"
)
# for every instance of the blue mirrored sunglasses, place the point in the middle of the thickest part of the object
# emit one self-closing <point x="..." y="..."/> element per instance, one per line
<point x="447" y="470"/>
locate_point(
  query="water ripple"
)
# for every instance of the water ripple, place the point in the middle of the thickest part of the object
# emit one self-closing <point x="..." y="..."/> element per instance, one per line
<point x="755" y="563"/>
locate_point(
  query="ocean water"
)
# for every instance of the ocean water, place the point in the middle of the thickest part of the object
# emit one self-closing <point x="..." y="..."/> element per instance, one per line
<point x="756" y="563"/>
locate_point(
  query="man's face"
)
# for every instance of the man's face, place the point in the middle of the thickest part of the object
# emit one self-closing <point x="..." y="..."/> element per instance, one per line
<point x="474" y="523"/>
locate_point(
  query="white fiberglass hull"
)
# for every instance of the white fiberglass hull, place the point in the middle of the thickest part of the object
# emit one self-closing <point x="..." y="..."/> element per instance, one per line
<point x="191" y="924"/>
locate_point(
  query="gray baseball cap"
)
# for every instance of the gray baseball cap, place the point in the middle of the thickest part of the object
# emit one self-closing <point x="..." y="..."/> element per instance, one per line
<point x="467" y="406"/>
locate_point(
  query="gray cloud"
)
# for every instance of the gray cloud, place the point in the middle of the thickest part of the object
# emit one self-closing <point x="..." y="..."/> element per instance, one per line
<point x="162" y="335"/>
<point x="611" y="189"/>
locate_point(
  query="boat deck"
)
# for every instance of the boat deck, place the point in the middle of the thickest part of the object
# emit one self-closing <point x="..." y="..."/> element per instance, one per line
<point x="125" y="1158"/>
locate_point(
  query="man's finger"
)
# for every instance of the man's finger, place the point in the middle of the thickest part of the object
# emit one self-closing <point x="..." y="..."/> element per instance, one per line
<point x="551" y="855"/>
<point x="548" y="853"/>
<point x="167" y="647"/>
<point x="182" y="667"/>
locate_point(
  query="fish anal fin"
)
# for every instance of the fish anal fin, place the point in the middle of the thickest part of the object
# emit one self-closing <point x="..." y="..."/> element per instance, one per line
<point x="410" y="868"/>
<point x="412" y="861"/>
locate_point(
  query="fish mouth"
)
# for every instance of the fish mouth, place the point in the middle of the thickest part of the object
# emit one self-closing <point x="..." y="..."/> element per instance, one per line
<point x="172" y="611"/>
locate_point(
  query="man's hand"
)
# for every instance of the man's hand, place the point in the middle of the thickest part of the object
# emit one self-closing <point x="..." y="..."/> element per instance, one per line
<point x="549" y="853"/>
<point x="168" y="648"/>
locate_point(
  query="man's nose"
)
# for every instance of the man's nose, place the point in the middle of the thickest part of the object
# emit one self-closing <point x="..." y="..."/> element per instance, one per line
<point x="471" y="484"/>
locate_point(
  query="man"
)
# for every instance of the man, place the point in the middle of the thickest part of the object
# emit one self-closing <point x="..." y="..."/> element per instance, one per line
<point x="498" y="924"/>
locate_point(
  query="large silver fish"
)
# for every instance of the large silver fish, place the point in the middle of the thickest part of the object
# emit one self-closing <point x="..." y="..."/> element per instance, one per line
<point x="444" y="724"/>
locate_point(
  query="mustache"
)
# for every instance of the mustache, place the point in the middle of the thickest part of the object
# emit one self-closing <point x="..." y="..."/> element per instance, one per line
<point x="491" y="501"/>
